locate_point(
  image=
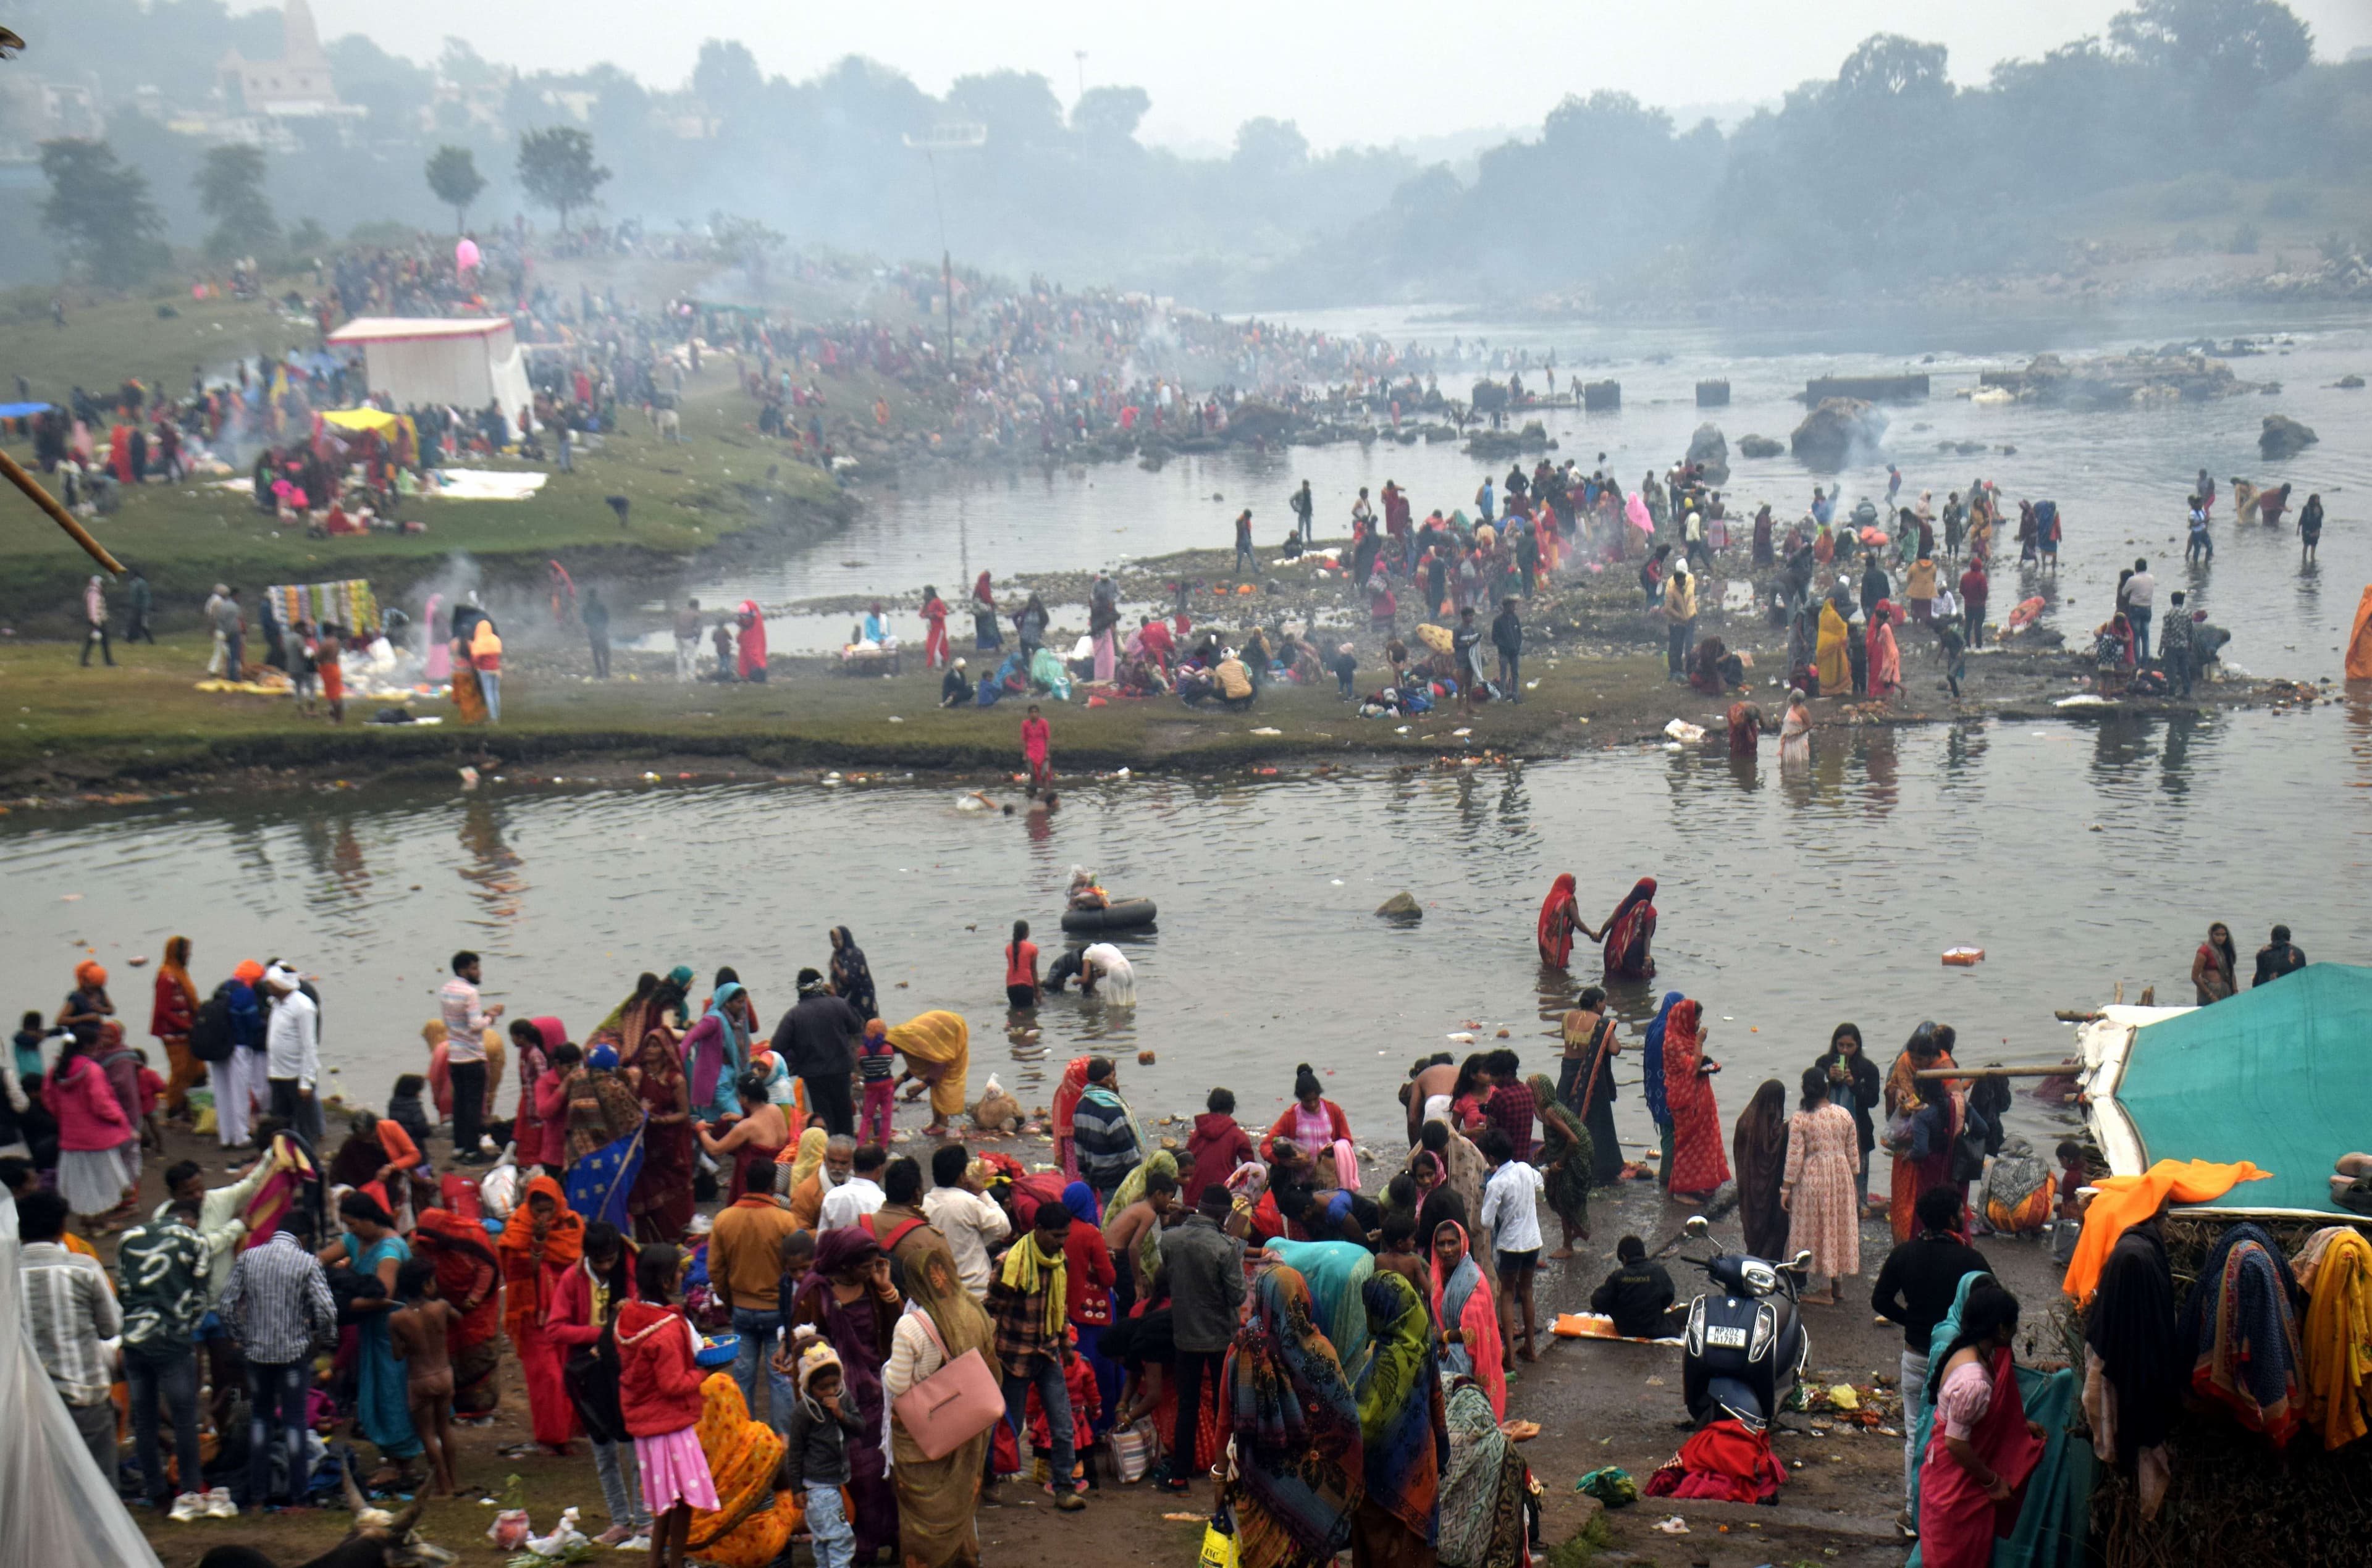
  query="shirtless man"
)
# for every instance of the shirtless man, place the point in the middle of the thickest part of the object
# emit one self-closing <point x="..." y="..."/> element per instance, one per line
<point x="1126" y="1236"/>
<point x="419" y="1330"/>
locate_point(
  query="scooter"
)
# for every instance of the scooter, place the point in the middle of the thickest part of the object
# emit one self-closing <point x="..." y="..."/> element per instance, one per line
<point x="1745" y="1344"/>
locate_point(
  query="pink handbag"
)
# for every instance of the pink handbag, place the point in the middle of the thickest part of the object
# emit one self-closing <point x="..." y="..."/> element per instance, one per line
<point x="953" y="1405"/>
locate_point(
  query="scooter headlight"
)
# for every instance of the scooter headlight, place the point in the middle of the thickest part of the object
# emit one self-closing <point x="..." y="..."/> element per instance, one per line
<point x="1697" y="1326"/>
<point x="1766" y="1328"/>
<point x="1760" y="1277"/>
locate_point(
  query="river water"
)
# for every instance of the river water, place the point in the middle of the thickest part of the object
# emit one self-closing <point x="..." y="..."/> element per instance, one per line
<point x="2076" y="854"/>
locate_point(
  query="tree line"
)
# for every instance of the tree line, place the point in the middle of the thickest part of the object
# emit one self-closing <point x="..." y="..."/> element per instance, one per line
<point x="1888" y="172"/>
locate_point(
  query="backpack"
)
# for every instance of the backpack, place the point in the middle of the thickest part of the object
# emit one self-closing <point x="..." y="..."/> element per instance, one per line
<point x="210" y="1039"/>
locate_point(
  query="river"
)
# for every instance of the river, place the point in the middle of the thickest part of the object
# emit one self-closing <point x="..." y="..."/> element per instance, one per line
<point x="2075" y="854"/>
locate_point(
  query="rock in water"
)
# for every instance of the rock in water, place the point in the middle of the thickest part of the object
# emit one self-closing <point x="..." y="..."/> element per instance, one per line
<point x="1835" y="431"/>
<point x="1708" y="446"/>
<point x="1759" y="447"/>
<point x="2284" y="437"/>
<point x="1401" y="906"/>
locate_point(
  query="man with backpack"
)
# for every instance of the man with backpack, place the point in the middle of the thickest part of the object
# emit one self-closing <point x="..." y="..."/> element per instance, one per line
<point x="227" y="1034"/>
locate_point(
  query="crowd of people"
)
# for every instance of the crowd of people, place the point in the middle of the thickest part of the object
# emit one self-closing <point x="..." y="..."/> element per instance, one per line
<point x="1353" y="1332"/>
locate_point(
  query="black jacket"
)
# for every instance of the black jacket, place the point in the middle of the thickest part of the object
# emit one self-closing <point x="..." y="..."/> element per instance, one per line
<point x="1916" y="1284"/>
<point x="1636" y="1297"/>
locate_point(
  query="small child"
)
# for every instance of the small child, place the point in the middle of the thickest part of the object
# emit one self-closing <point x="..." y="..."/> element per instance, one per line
<point x="32" y="1030"/>
<point x="405" y="1110"/>
<point x="2071" y="1175"/>
<point x="722" y="640"/>
<point x="418" y="1330"/>
<point x="1511" y="1213"/>
<point x="152" y="1090"/>
<point x="816" y="1449"/>
<point x="876" y="1063"/>
<point x="1037" y="742"/>
<point x="301" y="666"/>
<point x="331" y="672"/>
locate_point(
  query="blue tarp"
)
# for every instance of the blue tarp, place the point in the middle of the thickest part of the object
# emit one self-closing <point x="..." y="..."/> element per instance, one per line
<point x="23" y="410"/>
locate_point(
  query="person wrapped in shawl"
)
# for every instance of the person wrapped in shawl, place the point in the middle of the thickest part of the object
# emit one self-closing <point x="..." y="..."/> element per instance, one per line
<point x="1972" y="1422"/>
<point x="1301" y="1470"/>
<point x="542" y="1241"/>
<point x="1885" y="658"/>
<point x="1337" y="1274"/>
<point x="1467" y="1316"/>
<point x="1628" y="933"/>
<point x="470" y="1277"/>
<point x="1560" y="918"/>
<point x="1831" y="662"/>
<point x="1923" y="1158"/>
<point x="752" y="1523"/>
<point x="847" y="1296"/>
<point x="1403" y="1430"/>
<point x="852" y="976"/>
<point x="1760" y="1146"/>
<point x="1566" y="1155"/>
<point x="716" y="1052"/>
<point x="937" y="1048"/>
<point x="1067" y="1095"/>
<point x="605" y="1125"/>
<point x="1700" y="1165"/>
<point x="936" y="1498"/>
<point x="2241" y="1328"/>
<point x="1483" y="1484"/>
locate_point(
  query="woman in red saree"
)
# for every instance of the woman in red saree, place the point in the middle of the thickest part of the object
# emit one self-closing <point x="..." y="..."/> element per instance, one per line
<point x="1972" y="1478"/>
<point x="1628" y="932"/>
<point x="1560" y="918"/>
<point x="1699" y="1163"/>
<point x="749" y="659"/>
<point x="661" y="1200"/>
<point x="470" y="1277"/>
<point x="542" y="1241"/>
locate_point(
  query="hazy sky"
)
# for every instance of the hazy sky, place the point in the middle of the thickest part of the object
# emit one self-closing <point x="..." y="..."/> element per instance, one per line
<point x="1363" y="70"/>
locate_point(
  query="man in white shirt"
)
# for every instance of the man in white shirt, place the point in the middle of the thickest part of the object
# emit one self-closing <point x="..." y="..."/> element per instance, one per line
<point x="1511" y="1215"/>
<point x="466" y="1021"/>
<point x="292" y="1053"/>
<point x="2141" y="596"/>
<point x="970" y="1221"/>
<point x="857" y="1196"/>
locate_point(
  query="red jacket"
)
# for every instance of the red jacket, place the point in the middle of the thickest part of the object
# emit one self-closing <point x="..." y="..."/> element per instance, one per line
<point x="568" y="1311"/>
<point x="1217" y="1146"/>
<point x="1088" y="1275"/>
<point x="1282" y="1126"/>
<point x="90" y="1116"/>
<point x="551" y="1121"/>
<point x="658" y="1383"/>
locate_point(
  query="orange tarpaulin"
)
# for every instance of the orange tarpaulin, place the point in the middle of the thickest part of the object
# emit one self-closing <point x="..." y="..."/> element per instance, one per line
<point x="2359" y="643"/>
<point x="2126" y="1201"/>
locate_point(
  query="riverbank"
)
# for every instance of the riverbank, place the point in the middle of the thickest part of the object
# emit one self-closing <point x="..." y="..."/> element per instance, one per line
<point x="95" y="734"/>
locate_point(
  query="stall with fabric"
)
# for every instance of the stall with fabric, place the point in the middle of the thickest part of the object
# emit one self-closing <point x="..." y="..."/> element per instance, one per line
<point x="2221" y="1293"/>
<point x="348" y="605"/>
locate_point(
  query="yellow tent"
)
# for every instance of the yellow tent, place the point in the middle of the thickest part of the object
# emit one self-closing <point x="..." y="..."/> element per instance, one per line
<point x="377" y="421"/>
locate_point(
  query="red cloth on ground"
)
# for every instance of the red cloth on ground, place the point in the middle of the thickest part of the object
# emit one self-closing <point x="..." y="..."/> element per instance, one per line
<point x="1724" y="1462"/>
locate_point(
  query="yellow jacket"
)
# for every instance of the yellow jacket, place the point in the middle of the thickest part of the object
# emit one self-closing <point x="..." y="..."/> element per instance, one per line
<point x="1681" y="598"/>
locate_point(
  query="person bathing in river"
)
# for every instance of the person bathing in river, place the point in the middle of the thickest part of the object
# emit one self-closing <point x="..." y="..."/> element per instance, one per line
<point x="1628" y="934"/>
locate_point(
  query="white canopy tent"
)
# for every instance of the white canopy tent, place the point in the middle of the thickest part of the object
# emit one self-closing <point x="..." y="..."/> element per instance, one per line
<point x="461" y="363"/>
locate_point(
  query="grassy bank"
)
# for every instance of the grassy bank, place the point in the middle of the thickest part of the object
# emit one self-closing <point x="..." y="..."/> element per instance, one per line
<point x="143" y="723"/>
<point x="722" y="480"/>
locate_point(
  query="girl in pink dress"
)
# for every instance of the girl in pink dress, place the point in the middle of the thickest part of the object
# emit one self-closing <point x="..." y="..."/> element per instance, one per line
<point x="1823" y="1151"/>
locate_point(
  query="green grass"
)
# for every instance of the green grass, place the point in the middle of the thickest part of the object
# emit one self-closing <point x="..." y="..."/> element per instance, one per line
<point x="63" y="726"/>
<point x="186" y="538"/>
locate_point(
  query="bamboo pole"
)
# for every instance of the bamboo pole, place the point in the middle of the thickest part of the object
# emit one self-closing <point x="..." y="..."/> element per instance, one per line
<point x="58" y="515"/>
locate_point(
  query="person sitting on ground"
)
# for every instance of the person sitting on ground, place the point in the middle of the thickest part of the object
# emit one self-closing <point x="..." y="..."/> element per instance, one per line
<point x="1235" y="683"/>
<point x="955" y="688"/>
<point x="1638" y="1295"/>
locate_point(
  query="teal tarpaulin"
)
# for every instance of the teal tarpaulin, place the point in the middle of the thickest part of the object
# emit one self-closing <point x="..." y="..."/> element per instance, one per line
<point x="2277" y="1074"/>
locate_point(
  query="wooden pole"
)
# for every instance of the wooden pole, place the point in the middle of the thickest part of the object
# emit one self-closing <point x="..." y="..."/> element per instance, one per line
<point x="58" y="515"/>
<point x="2027" y="1070"/>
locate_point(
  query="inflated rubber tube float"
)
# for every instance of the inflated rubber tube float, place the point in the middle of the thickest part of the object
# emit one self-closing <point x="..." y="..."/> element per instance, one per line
<point x="1126" y="915"/>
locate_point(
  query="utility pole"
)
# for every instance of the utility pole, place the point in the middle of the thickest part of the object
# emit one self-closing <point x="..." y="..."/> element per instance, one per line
<point x="931" y="143"/>
<point x="1080" y="57"/>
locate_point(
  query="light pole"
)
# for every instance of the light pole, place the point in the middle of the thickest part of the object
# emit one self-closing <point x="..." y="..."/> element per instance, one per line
<point x="932" y="142"/>
<point x="1080" y="57"/>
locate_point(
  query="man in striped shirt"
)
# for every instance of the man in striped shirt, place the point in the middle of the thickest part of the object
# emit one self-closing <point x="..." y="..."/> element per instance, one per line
<point x="278" y="1306"/>
<point x="69" y="1309"/>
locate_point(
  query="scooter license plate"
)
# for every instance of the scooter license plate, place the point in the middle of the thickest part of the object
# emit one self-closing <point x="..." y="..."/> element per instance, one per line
<point x="1728" y="1339"/>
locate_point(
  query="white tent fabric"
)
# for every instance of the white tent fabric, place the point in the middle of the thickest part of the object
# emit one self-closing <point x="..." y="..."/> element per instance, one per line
<point x="459" y="363"/>
<point x="57" y="1510"/>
